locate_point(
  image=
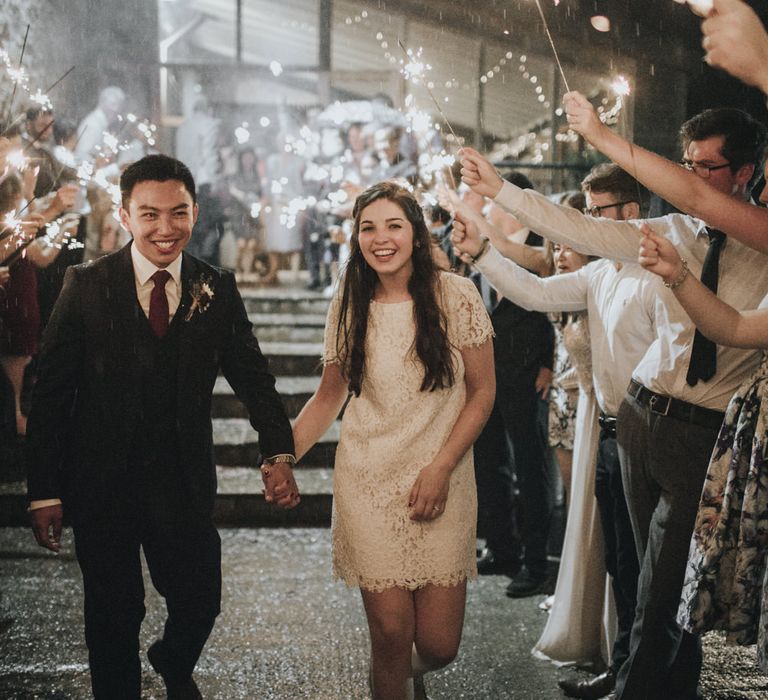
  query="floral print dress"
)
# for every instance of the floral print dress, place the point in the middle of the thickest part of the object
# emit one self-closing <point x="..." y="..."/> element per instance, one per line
<point x="725" y="580"/>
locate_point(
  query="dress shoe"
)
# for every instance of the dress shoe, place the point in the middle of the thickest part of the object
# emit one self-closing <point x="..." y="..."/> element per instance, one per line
<point x="176" y="689"/>
<point x="525" y="584"/>
<point x="591" y="688"/>
<point x="490" y="565"/>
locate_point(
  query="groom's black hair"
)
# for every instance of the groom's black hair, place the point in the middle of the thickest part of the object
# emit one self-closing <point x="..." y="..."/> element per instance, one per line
<point x="159" y="168"/>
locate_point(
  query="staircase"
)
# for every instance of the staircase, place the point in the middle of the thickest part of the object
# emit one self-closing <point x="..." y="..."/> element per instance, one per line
<point x="289" y="324"/>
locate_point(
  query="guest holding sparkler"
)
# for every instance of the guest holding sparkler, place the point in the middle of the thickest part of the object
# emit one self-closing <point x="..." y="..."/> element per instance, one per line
<point x="413" y="347"/>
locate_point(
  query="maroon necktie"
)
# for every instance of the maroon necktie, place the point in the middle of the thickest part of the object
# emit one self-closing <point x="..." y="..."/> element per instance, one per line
<point x="158" y="303"/>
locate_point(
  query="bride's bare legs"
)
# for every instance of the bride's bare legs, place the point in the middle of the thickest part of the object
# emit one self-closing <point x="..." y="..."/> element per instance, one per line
<point x="412" y="633"/>
<point x="439" y="621"/>
<point x="391" y="623"/>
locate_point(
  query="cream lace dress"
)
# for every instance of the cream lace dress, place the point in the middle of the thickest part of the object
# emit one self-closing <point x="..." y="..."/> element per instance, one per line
<point x="388" y="434"/>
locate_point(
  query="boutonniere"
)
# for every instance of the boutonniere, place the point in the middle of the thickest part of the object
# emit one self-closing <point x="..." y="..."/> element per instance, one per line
<point x="202" y="295"/>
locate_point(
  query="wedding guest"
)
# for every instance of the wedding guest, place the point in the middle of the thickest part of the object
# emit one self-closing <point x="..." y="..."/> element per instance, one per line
<point x="622" y="303"/>
<point x="120" y="431"/>
<point x="725" y="577"/>
<point x="412" y="347"/>
<point x="90" y="132"/>
<point x="668" y="423"/>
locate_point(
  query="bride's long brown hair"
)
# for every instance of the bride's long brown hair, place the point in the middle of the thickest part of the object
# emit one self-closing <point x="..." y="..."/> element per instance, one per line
<point x="431" y="339"/>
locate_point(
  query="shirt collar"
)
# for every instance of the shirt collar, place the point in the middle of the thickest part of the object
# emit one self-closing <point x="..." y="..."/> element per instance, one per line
<point x="143" y="269"/>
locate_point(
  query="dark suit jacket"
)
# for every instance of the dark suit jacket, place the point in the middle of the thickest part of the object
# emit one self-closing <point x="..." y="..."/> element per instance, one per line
<point x="82" y="423"/>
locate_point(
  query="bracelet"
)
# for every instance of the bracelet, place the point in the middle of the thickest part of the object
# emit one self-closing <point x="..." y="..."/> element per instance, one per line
<point x="680" y="278"/>
<point x="483" y="250"/>
<point x="286" y="458"/>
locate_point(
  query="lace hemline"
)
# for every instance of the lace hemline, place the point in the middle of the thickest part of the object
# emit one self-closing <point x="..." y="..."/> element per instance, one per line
<point x="377" y="585"/>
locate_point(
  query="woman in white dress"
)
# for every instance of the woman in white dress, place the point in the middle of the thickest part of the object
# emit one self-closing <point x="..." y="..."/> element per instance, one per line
<point x="412" y="345"/>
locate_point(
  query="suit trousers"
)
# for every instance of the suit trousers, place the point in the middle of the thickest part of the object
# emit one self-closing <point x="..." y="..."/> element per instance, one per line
<point x="664" y="463"/>
<point x="183" y="554"/>
<point x="620" y="551"/>
<point x="496" y="521"/>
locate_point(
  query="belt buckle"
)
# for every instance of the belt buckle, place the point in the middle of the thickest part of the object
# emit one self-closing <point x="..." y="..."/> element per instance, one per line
<point x="655" y="400"/>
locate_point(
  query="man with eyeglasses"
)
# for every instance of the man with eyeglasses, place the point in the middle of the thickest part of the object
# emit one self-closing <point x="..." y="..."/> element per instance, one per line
<point x="621" y="301"/>
<point x="669" y="421"/>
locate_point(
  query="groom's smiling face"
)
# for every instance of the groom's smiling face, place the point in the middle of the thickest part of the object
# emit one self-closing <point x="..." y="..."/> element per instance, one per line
<point x="160" y="217"/>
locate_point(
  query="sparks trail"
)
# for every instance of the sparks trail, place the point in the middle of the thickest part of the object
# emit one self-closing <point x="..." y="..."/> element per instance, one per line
<point x="439" y="109"/>
<point x="552" y="44"/>
<point x="15" y="83"/>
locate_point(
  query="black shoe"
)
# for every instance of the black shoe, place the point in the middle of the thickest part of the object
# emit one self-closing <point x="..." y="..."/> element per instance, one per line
<point x="591" y="688"/>
<point x="490" y="565"/>
<point x="526" y="584"/>
<point x="177" y="690"/>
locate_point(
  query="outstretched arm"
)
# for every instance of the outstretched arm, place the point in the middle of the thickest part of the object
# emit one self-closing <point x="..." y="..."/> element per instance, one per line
<point x="687" y="191"/>
<point x="321" y="410"/>
<point x="717" y="320"/>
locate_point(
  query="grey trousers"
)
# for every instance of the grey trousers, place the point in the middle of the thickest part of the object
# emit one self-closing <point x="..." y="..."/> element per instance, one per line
<point x="664" y="463"/>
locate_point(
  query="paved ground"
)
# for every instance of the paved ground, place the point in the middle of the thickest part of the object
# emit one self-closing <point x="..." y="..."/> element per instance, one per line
<point x="287" y="631"/>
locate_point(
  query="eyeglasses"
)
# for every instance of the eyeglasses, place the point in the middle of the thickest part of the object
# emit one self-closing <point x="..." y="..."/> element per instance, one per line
<point x="596" y="210"/>
<point x="700" y="169"/>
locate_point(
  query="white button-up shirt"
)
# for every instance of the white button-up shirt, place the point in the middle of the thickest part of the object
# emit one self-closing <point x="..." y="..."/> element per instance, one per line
<point x="621" y="305"/>
<point x="143" y="270"/>
<point x="743" y="283"/>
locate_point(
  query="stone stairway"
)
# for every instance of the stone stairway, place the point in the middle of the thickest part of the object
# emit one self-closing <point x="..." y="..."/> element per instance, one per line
<point x="289" y="324"/>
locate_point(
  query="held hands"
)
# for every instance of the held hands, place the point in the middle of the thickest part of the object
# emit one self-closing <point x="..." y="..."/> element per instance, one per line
<point x="582" y="117"/>
<point x="429" y="493"/>
<point x="736" y="41"/>
<point x="479" y="174"/>
<point x="658" y="255"/>
<point x="279" y="485"/>
<point x="465" y="236"/>
<point x="46" y="526"/>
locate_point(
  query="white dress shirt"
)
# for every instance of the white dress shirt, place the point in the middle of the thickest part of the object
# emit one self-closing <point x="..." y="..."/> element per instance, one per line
<point x="743" y="283"/>
<point x="143" y="270"/>
<point x="621" y="305"/>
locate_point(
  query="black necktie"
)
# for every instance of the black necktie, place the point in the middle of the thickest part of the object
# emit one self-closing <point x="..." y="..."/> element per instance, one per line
<point x="703" y="364"/>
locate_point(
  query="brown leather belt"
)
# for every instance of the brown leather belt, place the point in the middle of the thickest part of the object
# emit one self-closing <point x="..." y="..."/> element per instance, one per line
<point x="674" y="408"/>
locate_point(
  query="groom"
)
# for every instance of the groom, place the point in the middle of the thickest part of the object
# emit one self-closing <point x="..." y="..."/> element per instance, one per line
<point x="120" y="432"/>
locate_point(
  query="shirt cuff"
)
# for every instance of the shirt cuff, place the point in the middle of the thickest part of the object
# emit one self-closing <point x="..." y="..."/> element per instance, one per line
<point x="509" y="196"/>
<point x="35" y="505"/>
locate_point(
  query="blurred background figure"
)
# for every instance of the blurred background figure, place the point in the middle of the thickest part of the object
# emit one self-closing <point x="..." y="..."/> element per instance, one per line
<point x="90" y="132"/>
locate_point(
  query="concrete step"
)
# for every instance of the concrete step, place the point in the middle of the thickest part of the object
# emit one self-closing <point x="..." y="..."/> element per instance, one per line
<point x="294" y="328"/>
<point x="293" y="359"/>
<point x="284" y="300"/>
<point x="236" y="443"/>
<point x="239" y="501"/>
<point x="295" y="392"/>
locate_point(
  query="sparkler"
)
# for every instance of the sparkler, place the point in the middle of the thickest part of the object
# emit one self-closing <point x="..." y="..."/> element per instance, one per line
<point x="17" y="76"/>
<point x="413" y="70"/>
<point x="552" y="44"/>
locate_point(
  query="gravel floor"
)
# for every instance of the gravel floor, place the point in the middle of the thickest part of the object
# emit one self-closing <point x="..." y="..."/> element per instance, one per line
<point x="288" y="631"/>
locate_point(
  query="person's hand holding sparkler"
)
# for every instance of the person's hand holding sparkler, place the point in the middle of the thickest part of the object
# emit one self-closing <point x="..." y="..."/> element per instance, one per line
<point x="479" y="174"/>
<point x="64" y="200"/>
<point x="583" y="118"/>
<point x="736" y="41"/>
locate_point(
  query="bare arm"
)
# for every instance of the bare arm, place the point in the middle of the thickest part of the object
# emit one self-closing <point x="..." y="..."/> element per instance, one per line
<point x="687" y="191"/>
<point x="430" y="490"/>
<point x="717" y="320"/>
<point x="321" y="410"/>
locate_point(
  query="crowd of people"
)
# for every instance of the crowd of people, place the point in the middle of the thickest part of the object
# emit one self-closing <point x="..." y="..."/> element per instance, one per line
<point x="571" y="334"/>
